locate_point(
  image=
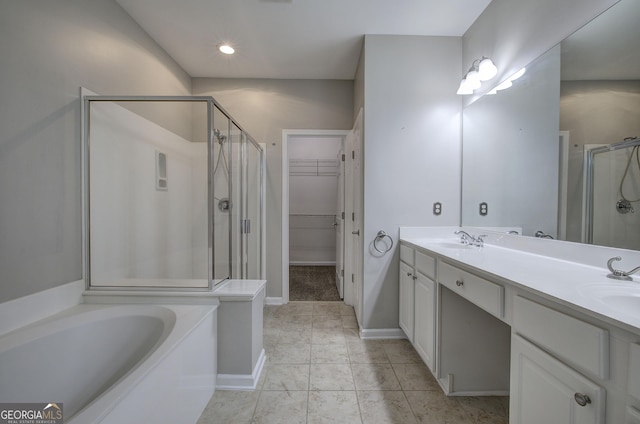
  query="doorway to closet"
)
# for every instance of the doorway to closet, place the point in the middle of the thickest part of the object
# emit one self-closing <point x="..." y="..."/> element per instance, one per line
<point x="314" y="180"/>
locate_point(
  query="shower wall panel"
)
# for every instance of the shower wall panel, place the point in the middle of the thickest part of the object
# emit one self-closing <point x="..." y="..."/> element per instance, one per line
<point x="139" y="231"/>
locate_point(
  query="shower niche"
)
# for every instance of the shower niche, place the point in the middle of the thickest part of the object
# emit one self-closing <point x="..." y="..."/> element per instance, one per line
<point x="173" y="194"/>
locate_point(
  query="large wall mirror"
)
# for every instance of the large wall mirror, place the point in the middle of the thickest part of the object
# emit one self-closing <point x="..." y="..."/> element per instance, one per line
<point x="524" y="148"/>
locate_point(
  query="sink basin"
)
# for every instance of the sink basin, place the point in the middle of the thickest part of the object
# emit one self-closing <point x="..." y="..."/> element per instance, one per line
<point x="626" y="304"/>
<point x="453" y="245"/>
<point x="624" y="297"/>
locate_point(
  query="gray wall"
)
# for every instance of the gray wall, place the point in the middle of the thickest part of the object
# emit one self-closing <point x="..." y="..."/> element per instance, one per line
<point x="49" y="49"/>
<point x="265" y="107"/>
<point x="412" y="152"/>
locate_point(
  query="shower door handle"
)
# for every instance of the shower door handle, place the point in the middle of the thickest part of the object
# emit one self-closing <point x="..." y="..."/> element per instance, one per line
<point x="356" y="232"/>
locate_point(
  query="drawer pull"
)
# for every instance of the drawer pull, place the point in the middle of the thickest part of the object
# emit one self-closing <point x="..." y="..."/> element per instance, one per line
<point x="581" y="399"/>
<point x="459" y="283"/>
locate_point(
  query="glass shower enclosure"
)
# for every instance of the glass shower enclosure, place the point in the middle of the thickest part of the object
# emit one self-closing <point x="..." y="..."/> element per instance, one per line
<point x="612" y="194"/>
<point x="173" y="194"/>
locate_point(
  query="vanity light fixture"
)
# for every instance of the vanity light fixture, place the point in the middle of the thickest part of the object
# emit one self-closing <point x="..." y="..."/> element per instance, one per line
<point x="481" y="70"/>
<point x="508" y="82"/>
<point x="226" y="48"/>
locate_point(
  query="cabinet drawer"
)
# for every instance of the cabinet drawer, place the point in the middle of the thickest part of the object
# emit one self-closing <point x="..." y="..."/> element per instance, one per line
<point x="483" y="293"/>
<point x="425" y="265"/>
<point x="573" y="340"/>
<point x="634" y="370"/>
<point x="406" y="254"/>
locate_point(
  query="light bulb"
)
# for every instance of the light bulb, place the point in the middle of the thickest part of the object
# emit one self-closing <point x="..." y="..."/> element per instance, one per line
<point x="518" y="74"/>
<point x="472" y="83"/>
<point x="226" y="49"/>
<point x="486" y="69"/>
<point x="503" y="86"/>
<point x="473" y="75"/>
<point x="464" y="89"/>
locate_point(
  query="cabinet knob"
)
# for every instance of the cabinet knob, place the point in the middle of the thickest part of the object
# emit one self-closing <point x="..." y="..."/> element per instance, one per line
<point x="415" y="278"/>
<point x="582" y="399"/>
<point x="459" y="283"/>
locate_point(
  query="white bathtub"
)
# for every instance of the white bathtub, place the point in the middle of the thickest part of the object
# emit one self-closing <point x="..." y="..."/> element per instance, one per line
<point x="115" y="363"/>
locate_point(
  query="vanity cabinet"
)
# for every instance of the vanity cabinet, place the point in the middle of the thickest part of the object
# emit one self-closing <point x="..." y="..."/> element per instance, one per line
<point x="406" y="299"/>
<point x="479" y="291"/>
<point x="511" y="321"/>
<point x="544" y="390"/>
<point x="424" y="329"/>
<point x="417" y="290"/>
<point x="544" y="366"/>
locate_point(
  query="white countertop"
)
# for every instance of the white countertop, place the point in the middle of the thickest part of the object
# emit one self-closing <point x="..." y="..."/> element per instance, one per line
<point x="239" y="290"/>
<point x="568" y="281"/>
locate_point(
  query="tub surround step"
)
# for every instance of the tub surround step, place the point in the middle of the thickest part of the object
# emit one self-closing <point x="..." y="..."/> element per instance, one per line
<point x="242" y="381"/>
<point x="239" y="290"/>
<point x="240" y="349"/>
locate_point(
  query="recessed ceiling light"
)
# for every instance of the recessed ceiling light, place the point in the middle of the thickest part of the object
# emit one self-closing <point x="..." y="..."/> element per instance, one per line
<point x="226" y="49"/>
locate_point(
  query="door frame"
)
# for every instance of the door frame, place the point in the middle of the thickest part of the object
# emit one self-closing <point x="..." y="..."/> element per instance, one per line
<point x="287" y="135"/>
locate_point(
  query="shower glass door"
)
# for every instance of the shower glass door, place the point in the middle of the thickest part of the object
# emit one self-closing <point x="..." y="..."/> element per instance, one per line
<point x="173" y="194"/>
<point x="613" y="195"/>
<point x="252" y="210"/>
<point x="222" y="202"/>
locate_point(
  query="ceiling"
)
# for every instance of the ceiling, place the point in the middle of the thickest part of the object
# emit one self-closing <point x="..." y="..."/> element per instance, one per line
<point x="289" y="39"/>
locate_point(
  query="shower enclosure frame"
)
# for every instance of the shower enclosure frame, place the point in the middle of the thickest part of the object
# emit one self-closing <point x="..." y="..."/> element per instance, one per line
<point x="85" y="111"/>
<point x="589" y="181"/>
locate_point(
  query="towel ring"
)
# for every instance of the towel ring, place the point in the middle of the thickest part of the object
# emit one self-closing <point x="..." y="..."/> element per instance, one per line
<point x="381" y="235"/>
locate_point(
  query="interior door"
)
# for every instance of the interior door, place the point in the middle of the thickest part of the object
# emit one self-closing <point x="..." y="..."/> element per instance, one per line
<point x="356" y="243"/>
<point x="339" y="225"/>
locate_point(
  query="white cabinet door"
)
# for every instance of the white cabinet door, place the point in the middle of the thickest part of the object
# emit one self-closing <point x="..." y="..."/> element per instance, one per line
<point x="424" y="314"/>
<point x="406" y="299"/>
<point x="544" y="390"/>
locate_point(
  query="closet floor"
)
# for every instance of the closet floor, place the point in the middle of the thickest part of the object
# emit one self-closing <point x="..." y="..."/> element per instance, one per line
<point x="313" y="283"/>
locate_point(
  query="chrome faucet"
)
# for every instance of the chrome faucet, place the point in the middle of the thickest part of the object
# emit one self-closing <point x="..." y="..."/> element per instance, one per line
<point x="480" y="240"/>
<point x="541" y="234"/>
<point x="465" y="238"/>
<point x="468" y="239"/>
<point x="617" y="274"/>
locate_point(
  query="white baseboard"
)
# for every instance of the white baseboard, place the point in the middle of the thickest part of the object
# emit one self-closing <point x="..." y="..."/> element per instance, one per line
<point x="273" y="301"/>
<point x="242" y="381"/>
<point x="382" y="333"/>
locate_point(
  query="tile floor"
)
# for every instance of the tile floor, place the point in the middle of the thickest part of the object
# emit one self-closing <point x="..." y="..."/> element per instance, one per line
<point x="318" y="370"/>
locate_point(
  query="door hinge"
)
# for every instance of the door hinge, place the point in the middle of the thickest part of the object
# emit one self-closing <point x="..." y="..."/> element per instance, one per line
<point x="343" y="157"/>
<point x="353" y="216"/>
<point x="342" y="272"/>
<point x="353" y="154"/>
<point x="353" y="278"/>
<point x="246" y="226"/>
<point x="342" y="215"/>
